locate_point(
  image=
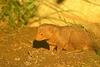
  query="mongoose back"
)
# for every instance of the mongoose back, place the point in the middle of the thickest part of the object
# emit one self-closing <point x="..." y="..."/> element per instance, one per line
<point x="64" y="37"/>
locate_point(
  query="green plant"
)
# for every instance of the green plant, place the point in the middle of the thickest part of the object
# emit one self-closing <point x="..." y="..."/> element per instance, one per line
<point x="17" y="12"/>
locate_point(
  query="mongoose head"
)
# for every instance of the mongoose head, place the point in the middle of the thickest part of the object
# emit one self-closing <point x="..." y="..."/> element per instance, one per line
<point x="43" y="33"/>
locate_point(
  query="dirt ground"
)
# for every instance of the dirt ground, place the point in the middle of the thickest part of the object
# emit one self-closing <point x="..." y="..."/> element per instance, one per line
<point x="16" y="50"/>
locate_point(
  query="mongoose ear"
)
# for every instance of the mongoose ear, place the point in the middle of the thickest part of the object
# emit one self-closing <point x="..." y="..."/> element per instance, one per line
<point x="50" y="29"/>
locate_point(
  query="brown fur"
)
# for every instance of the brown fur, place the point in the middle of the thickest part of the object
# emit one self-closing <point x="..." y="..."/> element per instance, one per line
<point x="65" y="37"/>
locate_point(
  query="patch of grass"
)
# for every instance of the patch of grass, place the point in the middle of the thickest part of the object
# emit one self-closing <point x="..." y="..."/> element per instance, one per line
<point x="17" y="12"/>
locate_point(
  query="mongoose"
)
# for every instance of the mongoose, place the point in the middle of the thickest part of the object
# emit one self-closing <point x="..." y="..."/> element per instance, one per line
<point x="64" y="37"/>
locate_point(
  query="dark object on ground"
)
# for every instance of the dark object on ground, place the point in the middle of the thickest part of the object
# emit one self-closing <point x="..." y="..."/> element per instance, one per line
<point x="41" y="44"/>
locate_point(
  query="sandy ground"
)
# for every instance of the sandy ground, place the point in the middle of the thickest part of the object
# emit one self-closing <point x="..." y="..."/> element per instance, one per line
<point x="16" y="50"/>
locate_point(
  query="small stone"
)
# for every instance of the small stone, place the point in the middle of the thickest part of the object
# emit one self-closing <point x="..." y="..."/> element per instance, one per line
<point x="17" y="59"/>
<point x="28" y="63"/>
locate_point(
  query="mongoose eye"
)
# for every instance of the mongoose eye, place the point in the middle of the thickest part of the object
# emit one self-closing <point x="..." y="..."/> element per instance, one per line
<point x="41" y="34"/>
